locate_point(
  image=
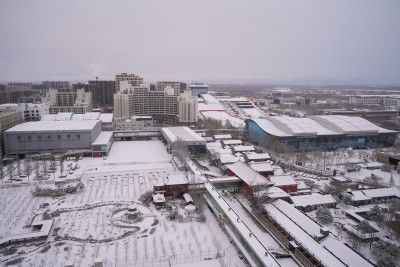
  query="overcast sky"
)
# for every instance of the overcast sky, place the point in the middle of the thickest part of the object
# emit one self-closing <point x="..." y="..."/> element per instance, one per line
<point x="340" y="41"/>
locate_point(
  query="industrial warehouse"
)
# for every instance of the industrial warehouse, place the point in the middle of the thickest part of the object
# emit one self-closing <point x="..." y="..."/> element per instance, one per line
<point x="284" y="133"/>
<point x="51" y="136"/>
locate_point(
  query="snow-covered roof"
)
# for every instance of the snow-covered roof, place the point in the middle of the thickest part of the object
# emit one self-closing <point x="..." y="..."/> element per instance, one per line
<point x="346" y="254"/>
<point x="243" y="148"/>
<point x="275" y="192"/>
<point x="258" y="156"/>
<point x="261" y="166"/>
<point x="313" y="199"/>
<point x="347" y="124"/>
<point x="64" y="116"/>
<point x="174" y="179"/>
<point x="209" y="98"/>
<point x="49" y="117"/>
<point x="358" y="196"/>
<point x="40" y="126"/>
<point x="107" y="117"/>
<point x="184" y="134"/>
<point x="220" y="150"/>
<point x="262" y="252"/>
<point x="226" y="158"/>
<point x="158" y="198"/>
<point x="282" y="180"/>
<point x="213" y="144"/>
<point x="284" y="126"/>
<point x="220" y="114"/>
<point x="222" y="136"/>
<point x="227" y="179"/>
<point x="43" y="232"/>
<point x="231" y="142"/>
<point x="103" y="138"/>
<point x="300" y="236"/>
<point x="382" y="192"/>
<point x="303" y="221"/>
<point x="187" y="198"/>
<point x="247" y="174"/>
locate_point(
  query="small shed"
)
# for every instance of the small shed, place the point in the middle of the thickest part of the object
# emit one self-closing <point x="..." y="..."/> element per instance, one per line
<point x="158" y="199"/>
<point x="188" y="199"/>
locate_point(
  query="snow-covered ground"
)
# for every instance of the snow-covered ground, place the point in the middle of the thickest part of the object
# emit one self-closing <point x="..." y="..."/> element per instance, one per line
<point x="94" y="223"/>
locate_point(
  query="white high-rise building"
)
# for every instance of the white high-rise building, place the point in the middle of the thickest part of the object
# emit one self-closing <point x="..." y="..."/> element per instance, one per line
<point x="187" y="107"/>
<point x="179" y="87"/>
<point x="140" y="100"/>
<point x="132" y="79"/>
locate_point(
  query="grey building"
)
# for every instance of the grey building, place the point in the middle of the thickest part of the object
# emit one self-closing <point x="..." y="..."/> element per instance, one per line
<point x="51" y="136"/>
<point x="102" y="93"/>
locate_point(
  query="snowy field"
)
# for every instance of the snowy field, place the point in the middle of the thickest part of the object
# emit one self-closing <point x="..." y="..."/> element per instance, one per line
<point x="101" y="220"/>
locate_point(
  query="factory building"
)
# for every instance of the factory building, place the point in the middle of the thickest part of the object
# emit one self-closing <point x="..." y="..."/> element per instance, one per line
<point x="51" y="136"/>
<point x="283" y="133"/>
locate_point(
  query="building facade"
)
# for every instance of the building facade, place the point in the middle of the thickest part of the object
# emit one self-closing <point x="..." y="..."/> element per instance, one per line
<point x="8" y="119"/>
<point x="283" y="133"/>
<point x="163" y="105"/>
<point x="78" y="102"/>
<point x="132" y="79"/>
<point x="102" y="93"/>
<point x="179" y="87"/>
<point x="51" y="136"/>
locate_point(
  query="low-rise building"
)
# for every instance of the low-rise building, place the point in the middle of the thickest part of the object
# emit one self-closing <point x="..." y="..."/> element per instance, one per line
<point x="284" y="182"/>
<point x="252" y="180"/>
<point x="313" y="201"/>
<point x="134" y="123"/>
<point x="172" y="185"/>
<point x="183" y="138"/>
<point x="102" y="145"/>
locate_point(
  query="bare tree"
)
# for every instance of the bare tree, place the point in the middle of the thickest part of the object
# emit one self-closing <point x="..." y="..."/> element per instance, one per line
<point x="19" y="167"/>
<point x="27" y="163"/>
<point x="45" y="168"/>
<point x="1" y="171"/>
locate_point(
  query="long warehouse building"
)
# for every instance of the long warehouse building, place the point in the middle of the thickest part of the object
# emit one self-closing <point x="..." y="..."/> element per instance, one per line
<point x="51" y="136"/>
<point x="284" y="133"/>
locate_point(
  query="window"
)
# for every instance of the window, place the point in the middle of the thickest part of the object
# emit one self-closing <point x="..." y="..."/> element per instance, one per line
<point x="78" y="136"/>
<point x="19" y="138"/>
<point x="29" y="138"/>
<point x="68" y="136"/>
<point x="49" y="137"/>
<point x="39" y="138"/>
<point x="59" y="137"/>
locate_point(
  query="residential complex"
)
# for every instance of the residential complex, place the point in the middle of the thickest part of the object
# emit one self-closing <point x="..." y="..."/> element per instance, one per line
<point x="78" y="102"/>
<point x="163" y="106"/>
<point x="179" y="87"/>
<point x="132" y="79"/>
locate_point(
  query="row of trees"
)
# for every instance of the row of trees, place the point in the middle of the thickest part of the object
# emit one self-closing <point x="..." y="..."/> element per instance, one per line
<point x="28" y="166"/>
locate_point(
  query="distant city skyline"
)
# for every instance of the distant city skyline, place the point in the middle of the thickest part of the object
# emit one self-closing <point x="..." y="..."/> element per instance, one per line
<point x="276" y="42"/>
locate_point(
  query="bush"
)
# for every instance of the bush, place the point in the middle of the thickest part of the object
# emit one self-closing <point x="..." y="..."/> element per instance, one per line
<point x="146" y="198"/>
<point x="14" y="262"/>
<point x="9" y="251"/>
<point x="45" y="249"/>
<point x="324" y="215"/>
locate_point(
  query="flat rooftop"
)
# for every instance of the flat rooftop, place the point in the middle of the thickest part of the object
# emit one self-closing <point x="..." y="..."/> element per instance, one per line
<point x="56" y="126"/>
<point x="184" y="134"/>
